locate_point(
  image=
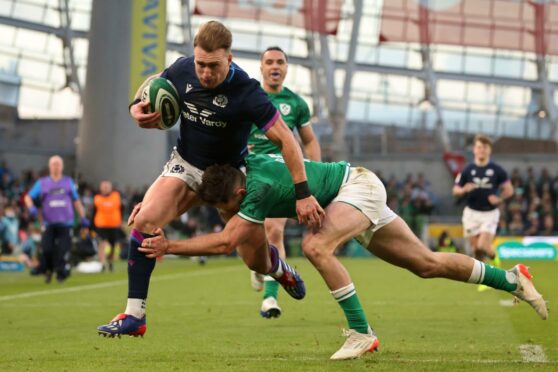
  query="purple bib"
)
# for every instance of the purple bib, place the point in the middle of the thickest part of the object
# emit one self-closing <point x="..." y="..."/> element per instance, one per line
<point x="56" y="199"/>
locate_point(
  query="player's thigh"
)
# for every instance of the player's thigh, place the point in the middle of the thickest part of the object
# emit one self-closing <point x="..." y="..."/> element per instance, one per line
<point x="341" y="223"/>
<point x="397" y="244"/>
<point x="166" y="197"/>
<point x="275" y="229"/>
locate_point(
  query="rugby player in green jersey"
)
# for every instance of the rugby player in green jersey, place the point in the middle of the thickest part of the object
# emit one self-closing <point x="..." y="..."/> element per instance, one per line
<point x="295" y="113"/>
<point x="355" y="202"/>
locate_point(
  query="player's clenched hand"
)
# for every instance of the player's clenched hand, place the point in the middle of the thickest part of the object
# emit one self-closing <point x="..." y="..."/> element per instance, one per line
<point x="494" y="199"/>
<point x="141" y="115"/>
<point x="309" y="212"/>
<point x="469" y="186"/>
<point x="156" y="246"/>
<point x="134" y="213"/>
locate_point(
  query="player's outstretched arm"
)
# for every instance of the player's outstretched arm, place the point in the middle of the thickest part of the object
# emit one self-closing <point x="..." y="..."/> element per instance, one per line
<point x="237" y="231"/>
<point x="138" y="109"/>
<point x="308" y="209"/>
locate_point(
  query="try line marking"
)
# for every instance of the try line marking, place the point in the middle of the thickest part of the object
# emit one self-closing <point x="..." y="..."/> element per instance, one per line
<point x="112" y="284"/>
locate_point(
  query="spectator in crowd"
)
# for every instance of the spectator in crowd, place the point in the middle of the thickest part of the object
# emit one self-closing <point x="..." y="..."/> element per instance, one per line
<point x="516" y="226"/>
<point x="30" y="246"/>
<point x="9" y="227"/>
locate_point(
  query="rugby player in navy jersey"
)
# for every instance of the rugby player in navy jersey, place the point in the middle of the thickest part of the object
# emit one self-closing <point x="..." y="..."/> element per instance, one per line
<point x="484" y="185"/>
<point x="220" y="102"/>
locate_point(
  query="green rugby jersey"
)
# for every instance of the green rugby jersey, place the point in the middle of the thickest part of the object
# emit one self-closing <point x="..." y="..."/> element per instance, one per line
<point x="295" y="114"/>
<point x="270" y="190"/>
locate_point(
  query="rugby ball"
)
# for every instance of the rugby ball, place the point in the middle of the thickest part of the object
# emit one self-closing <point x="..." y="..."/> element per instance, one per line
<point x="163" y="98"/>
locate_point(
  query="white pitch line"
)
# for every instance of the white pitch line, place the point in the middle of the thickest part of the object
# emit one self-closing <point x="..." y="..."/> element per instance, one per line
<point x="532" y="353"/>
<point x="111" y="284"/>
<point x="379" y="359"/>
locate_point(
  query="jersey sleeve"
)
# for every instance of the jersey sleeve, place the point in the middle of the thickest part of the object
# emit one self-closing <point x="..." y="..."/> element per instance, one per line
<point x="461" y="178"/>
<point x="501" y="176"/>
<point x="256" y="204"/>
<point x="35" y="191"/>
<point x="303" y="118"/>
<point x="258" y="106"/>
<point x="73" y="190"/>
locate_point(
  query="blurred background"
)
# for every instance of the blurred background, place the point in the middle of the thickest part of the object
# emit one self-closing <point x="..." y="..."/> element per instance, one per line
<point x="400" y="87"/>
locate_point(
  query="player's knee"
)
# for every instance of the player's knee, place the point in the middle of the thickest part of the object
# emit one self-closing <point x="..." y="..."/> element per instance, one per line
<point x="315" y="248"/>
<point x="144" y="223"/>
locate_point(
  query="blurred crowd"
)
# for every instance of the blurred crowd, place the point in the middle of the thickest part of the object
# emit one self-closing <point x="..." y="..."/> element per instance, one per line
<point x="20" y="234"/>
<point x="533" y="209"/>
<point x="412" y="199"/>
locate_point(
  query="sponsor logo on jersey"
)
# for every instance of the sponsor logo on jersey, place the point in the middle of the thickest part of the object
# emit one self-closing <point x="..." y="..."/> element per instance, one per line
<point x="220" y="101"/>
<point x="189" y="87"/>
<point x="196" y="115"/>
<point x="285" y="109"/>
<point x="482" y="183"/>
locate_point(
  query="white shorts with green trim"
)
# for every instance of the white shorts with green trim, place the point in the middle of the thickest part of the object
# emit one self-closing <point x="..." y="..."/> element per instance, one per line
<point x="180" y="168"/>
<point x="364" y="191"/>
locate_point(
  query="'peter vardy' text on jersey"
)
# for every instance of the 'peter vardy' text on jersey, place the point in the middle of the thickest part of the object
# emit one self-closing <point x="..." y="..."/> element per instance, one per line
<point x="215" y="123"/>
<point x="487" y="179"/>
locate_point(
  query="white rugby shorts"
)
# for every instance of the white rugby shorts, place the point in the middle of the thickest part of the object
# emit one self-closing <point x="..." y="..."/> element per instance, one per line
<point x="364" y="191"/>
<point x="180" y="168"/>
<point x="475" y="222"/>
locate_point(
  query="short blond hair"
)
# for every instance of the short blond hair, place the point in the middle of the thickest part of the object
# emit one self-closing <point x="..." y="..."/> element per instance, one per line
<point x="485" y="140"/>
<point x="212" y="36"/>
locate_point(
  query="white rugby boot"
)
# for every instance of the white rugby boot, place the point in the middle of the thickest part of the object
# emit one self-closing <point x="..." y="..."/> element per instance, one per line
<point x="526" y="290"/>
<point x="356" y="344"/>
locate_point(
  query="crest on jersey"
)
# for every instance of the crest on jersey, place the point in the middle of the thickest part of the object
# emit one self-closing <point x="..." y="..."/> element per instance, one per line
<point x="490" y="172"/>
<point x="177" y="168"/>
<point x="285" y="109"/>
<point x="220" y="100"/>
<point x="189" y="87"/>
<point x="473" y="172"/>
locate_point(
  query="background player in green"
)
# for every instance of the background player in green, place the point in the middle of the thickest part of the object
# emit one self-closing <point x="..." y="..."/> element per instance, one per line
<point x="355" y="202"/>
<point x="274" y="65"/>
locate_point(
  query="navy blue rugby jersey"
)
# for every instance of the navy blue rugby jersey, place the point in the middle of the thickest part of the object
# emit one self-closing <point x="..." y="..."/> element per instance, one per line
<point x="488" y="180"/>
<point x="215" y="123"/>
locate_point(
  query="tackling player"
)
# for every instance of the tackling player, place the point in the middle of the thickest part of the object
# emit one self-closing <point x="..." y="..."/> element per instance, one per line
<point x="485" y="186"/>
<point x="219" y="104"/>
<point x="355" y="201"/>
<point x="295" y="113"/>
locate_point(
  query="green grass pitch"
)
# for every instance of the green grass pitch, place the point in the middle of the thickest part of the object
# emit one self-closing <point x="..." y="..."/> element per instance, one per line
<point x="206" y="318"/>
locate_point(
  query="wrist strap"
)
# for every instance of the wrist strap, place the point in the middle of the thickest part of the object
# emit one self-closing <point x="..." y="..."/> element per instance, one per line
<point x="134" y="102"/>
<point x="301" y="190"/>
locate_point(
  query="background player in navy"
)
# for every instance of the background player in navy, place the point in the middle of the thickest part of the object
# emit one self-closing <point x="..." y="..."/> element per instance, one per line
<point x="57" y="195"/>
<point x="219" y="104"/>
<point x="485" y="185"/>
